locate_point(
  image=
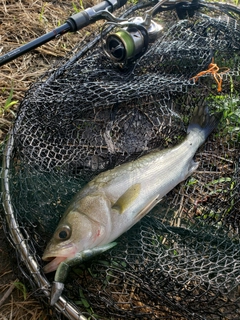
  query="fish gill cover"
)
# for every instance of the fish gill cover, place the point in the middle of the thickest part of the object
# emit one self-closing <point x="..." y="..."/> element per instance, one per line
<point x="87" y="115"/>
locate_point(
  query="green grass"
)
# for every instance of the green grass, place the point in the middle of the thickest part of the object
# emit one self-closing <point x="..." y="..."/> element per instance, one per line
<point x="7" y="108"/>
<point x="75" y="7"/>
<point x="229" y="106"/>
<point x="41" y="16"/>
<point x="21" y="287"/>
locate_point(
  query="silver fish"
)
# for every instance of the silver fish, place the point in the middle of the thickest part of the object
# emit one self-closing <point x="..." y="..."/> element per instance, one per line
<point x="117" y="199"/>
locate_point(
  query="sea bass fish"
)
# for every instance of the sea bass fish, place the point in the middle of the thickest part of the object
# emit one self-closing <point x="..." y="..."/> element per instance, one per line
<point x="117" y="199"/>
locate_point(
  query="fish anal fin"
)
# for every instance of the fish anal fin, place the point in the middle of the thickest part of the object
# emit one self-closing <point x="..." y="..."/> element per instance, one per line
<point x="192" y="167"/>
<point x="148" y="207"/>
<point x="127" y="198"/>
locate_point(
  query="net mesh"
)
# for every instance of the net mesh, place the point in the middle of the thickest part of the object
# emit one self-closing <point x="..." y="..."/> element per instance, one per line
<point x="87" y="115"/>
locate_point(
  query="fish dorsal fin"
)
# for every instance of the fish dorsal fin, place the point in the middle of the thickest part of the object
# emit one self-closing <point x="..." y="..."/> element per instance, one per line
<point x="147" y="208"/>
<point x="127" y="198"/>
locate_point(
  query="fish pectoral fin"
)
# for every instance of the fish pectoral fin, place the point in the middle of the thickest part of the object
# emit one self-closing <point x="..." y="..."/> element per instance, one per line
<point x="127" y="198"/>
<point x="147" y="208"/>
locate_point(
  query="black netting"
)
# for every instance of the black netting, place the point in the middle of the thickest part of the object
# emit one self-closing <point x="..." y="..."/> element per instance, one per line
<point x="182" y="261"/>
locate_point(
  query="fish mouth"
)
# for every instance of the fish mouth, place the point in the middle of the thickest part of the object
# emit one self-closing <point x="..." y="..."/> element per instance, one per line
<point x="56" y="258"/>
<point x="53" y="264"/>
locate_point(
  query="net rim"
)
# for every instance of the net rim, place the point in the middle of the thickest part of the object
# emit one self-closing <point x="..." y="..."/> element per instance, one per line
<point x="65" y="307"/>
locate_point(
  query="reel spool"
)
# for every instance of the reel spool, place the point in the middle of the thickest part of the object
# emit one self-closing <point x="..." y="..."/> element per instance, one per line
<point x="130" y="43"/>
<point x="127" y="44"/>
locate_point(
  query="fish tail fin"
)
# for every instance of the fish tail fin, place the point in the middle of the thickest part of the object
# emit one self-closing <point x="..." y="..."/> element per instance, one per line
<point x="203" y="122"/>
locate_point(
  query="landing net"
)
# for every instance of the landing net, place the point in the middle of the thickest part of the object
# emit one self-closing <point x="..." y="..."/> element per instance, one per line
<point x="87" y="115"/>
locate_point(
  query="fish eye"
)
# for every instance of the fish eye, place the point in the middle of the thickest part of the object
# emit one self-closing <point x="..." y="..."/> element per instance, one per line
<point x="64" y="233"/>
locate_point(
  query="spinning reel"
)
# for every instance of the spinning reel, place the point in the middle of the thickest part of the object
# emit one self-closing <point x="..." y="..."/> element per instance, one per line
<point x="131" y="37"/>
<point x="127" y="44"/>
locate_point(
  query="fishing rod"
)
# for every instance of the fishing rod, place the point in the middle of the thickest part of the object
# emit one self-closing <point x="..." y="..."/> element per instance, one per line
<point x="73" y="24"/>
<point x="129" y="42"/>
<point x="126" y="45"/>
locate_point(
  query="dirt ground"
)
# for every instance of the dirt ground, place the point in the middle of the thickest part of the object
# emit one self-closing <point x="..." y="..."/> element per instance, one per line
<point x="20" y="22"/>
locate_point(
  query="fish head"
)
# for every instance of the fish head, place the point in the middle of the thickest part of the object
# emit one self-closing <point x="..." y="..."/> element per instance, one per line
<point x="79" y="229"/>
